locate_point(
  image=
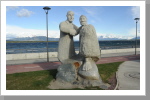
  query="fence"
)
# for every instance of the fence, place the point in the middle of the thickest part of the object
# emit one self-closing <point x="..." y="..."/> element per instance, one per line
<point x="54" y="54"/>
<point x="38" y="50"/>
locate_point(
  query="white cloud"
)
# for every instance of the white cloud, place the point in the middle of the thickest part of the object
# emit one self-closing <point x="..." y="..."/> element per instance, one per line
<point x="11" y="8"/>
<point x="15" y="31"/>
<point x="24" y="13"/>
<point x="135" y="11"/>
<point x="93" y="12"/>
<point x="77" y="13"/>
<point x="132" y="32"/>
<point x="90" y="10"/>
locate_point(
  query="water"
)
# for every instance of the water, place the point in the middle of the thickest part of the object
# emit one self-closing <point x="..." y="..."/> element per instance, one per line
<point x="12" y="48"/>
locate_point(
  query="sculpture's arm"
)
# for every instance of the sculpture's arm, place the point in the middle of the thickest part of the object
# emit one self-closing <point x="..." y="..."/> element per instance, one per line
<point x="77" y="29"/>
<point x="64" y="28"/>
<point x="69" y="30"/>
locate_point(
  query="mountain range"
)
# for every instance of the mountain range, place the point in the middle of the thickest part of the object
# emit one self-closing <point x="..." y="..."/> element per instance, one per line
<point x="114" y="38"/>
<point x="44" y="38"/>
<point x="36" y="38"/>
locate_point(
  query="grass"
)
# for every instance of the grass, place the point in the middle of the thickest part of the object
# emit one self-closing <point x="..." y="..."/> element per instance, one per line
<point x="39" y="80"/>
<point x="108" y="70"/>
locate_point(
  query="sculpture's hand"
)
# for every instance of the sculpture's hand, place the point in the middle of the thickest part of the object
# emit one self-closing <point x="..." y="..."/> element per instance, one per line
<point x="73" y="32"/>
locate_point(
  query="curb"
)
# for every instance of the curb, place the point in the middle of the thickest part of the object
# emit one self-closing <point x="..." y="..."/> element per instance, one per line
<point x="117" y="81"/>
<point x="117" y="85"/>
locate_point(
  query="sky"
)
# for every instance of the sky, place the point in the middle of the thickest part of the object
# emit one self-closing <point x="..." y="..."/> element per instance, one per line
<point x="109" y="21"/>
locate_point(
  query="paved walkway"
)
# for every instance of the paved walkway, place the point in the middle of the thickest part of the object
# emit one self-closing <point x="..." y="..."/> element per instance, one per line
<point x="128" y="75"/>
<point x="54" y="65"/>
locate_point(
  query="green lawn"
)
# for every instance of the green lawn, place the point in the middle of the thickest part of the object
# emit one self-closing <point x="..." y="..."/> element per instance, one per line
<point x="39" y="80"/>
<point x="108" y="70"/>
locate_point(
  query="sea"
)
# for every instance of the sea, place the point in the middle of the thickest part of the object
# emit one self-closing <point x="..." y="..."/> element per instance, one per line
<point x="36" y="47"/>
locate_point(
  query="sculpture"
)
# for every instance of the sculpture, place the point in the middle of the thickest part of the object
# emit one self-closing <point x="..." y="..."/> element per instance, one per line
<point x="89" y="45"/>
<point x="89" y="50"/>
<point x="66" y="48"/>
<point x="78" y="70"/>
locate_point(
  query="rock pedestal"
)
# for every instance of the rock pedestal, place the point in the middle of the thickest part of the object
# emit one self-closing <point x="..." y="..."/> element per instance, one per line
<point x="78" y="73"/>
<point x="88" y="70"/>
<point x="66" y="72"/>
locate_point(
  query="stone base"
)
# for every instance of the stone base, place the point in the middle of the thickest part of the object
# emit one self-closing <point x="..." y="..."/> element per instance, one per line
<point x="66" y="72"/>
<point x="75" y="73"/>
<point x="60" y="84"/>
<point x="88" y="82"/>
<point x="89" y="70"/>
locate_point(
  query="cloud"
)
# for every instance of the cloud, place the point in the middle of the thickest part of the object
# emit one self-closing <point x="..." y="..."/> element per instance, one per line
<point x="77" y="13"/>
<point x="135" y="11"/>
<point x="93" y="12"/>
<point x="8" y="8"/>
<point x="132" y="32"/>
<point x="15" y="31"/>
<point x="24" y="13"/>
<point x="90" y="10"/>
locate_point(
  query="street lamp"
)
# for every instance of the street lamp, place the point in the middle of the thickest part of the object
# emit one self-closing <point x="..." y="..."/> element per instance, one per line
<point x="46" y="11"/>
<point x="137" y="19"/>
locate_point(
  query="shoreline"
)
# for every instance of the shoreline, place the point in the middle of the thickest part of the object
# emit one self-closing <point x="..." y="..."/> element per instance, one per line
<point x="9" y="41"/>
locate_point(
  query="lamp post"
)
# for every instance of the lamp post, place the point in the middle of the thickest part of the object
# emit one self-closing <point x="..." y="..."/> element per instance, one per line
<point x="46" y="11"/>
<point x="137" y="19"/>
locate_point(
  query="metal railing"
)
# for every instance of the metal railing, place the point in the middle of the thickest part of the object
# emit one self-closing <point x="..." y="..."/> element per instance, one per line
<point x="38" y="50"/>
<point x="32" y="50"/>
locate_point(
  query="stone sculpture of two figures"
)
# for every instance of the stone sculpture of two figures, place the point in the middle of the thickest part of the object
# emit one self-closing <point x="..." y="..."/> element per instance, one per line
<point x="78" y="69"/>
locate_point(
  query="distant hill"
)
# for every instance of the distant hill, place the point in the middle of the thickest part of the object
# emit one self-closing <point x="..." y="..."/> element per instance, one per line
<point x="135" y="37"/>
<point x="101" y="38"/>
<point x="36" y="38"/>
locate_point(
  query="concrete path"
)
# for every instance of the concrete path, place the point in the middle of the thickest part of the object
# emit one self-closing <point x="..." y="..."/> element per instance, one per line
<point x="128" y="75"/>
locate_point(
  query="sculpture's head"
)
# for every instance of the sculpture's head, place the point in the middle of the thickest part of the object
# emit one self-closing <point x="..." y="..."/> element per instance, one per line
<point x="83" y="20"/>
<point x="70" y="16"/>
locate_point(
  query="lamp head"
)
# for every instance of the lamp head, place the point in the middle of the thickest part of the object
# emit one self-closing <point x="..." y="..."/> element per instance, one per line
<point x="46" y="9"/>
<point x="137" y="19"/>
